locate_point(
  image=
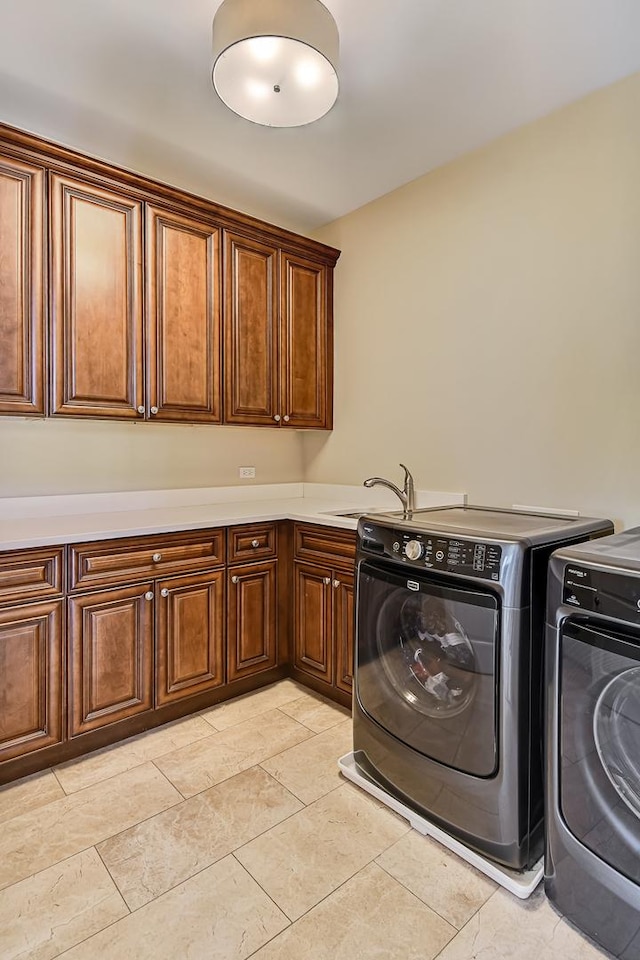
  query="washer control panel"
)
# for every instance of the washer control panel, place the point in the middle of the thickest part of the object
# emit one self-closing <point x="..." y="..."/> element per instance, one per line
<point x="470" y="558"/>
<point x="615" y="595"/>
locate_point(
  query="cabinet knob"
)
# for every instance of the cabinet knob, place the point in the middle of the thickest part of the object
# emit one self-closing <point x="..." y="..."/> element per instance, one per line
<point x="336" y="583"/>
<point x="277" y="418"/>
<point x="149" y="595"/>
<point x="287" y="418"/>
<point x="154" y="410"/>
<point x="255" y="543"/>
<point x="234" y="579"/>
<point x="326" y="581"/>
<point x="141" y="411"/>
<point x="157" y="557"/>
<point x="164" y="592"/>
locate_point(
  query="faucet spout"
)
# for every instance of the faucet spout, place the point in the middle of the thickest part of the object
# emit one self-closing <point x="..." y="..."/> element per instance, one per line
<point x="406" y="496"/>
<point x="409" y="489"/>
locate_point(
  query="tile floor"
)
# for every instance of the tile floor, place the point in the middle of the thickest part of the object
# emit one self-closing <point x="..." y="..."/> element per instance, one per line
<point x="231" y="834"/>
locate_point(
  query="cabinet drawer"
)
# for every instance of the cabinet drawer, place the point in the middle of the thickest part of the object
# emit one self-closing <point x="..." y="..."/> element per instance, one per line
<point x="30" y="574"/>
<point x="256" y="541"/>
<point x="324" y="543"/>
<point x="121" y="561"/>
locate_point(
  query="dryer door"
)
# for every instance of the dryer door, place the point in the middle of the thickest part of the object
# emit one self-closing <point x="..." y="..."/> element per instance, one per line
<point x="426" y="665"/>
<point x="599" y="731"/>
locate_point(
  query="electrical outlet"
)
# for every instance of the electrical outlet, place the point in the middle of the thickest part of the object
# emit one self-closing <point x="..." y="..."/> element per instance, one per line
<point x="247" y="473"/>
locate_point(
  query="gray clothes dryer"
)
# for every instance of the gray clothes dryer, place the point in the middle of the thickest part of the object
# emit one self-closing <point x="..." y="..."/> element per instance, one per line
<point x="592" y="860"/>
<point x="450" y="614"/>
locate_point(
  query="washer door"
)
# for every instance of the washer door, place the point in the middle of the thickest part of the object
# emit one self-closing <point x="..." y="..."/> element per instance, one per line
<point x="599" y="732"/>
<point x="426" y="665"/>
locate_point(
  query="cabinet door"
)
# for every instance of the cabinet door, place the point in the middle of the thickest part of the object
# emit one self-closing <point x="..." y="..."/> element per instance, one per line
<point x="30" y="677"/>
<point x="251" y="332"/>
<point x="21" y="287"/>
<point x="313" y="651"/>
<point x="251" y="623"/>
<point x="96" y="316"/>
<point x="110" y="656"/>
<point x="306" y="374"/>
<point x="343" y="628"/>
<point x="183" y="318"/>
<point x="190" y="635"/>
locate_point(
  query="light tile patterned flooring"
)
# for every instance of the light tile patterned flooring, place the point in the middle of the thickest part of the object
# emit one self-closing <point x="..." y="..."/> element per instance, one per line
<point x="231" y="834"/>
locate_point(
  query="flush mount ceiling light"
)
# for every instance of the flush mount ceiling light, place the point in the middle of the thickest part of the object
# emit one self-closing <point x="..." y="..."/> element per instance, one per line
<point x="275" y="61"/>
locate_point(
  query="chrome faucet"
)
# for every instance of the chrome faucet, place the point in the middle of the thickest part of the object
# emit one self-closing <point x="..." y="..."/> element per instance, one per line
<point x="407" y="496"/>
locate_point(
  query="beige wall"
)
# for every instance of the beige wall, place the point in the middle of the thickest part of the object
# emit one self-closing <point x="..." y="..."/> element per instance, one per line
<point x="65" y="456"/>
<point x="487" y="324"/>
<point x="488" y="321"/>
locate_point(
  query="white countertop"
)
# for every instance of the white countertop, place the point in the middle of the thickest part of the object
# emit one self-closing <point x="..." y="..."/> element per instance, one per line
<point x="40" y="521"/>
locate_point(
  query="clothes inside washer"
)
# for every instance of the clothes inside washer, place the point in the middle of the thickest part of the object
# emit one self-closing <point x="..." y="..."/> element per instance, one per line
<point x="438" y="655"/>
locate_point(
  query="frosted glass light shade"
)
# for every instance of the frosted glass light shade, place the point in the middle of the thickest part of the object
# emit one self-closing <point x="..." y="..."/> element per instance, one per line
<point x="275" y="60"/>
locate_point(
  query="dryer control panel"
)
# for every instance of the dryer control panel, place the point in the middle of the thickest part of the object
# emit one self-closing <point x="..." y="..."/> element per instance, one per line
<point x="419" y="548"/>
<point x="614" y="595"/>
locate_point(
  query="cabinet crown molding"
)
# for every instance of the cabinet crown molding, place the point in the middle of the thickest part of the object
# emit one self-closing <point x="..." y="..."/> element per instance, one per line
<point x="66" y="160"/>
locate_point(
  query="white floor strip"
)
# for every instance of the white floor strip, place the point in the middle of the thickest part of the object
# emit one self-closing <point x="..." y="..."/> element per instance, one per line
<point x="521" y="884"/>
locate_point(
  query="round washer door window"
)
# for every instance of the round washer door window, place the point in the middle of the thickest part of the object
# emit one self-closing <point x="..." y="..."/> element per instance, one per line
<point x="616" y="730"/>
<point x="434" y="667"/>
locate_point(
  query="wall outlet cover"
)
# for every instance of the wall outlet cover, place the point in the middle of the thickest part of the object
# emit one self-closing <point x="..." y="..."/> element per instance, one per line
<point x="247" y="473"/>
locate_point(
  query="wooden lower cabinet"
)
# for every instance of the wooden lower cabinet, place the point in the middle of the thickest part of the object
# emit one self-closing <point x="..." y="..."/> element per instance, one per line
<point x="134" y="654"/>
<point x="110" y="656"/>
<point x="189" y="635"/>
<point x="324" y="614"/>
<point x="324" y="624"/>
<point x="251" y="619"/>
<point x="344" y="628"/>
<point x="313" y="647"/>
<point x="31" y="686"/>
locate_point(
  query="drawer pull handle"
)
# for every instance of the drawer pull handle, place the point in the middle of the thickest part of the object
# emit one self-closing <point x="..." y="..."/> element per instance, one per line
<point x="255" y="543"/>
<point x="287" y="418"/>
<point x="149" y="595"/>
<point x="157" y="557"/>
<point x="141" y="410"/>
<point x="234" y="579"/>
<point x="336" y="583"/>
<point x="154" y="410"/>
<point x="326" y="581"/>
<point x="277" y="418"/>
<point x="164" y="592"/>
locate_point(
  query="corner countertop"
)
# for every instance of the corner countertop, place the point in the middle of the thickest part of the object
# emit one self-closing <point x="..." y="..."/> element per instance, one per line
<point x="45" y="520"/>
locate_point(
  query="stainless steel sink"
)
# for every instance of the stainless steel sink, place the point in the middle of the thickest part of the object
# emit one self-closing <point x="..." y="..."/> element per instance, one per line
<point x="353" y="514"/>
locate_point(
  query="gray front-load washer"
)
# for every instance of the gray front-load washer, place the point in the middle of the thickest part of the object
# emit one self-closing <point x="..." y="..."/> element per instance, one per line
<point x="592" y="862"/>
<point x="447" y="714"/>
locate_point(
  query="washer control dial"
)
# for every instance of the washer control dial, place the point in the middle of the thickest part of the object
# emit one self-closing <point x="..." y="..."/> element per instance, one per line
<point x="414" y="549"/>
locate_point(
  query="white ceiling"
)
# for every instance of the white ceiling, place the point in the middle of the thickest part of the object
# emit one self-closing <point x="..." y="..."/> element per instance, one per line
<point x="422" y="82"/>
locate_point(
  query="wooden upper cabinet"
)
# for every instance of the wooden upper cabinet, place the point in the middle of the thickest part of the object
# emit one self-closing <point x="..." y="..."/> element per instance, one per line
<point x="251" y="343"/>
<point x="122" y="297"/>
<point x="96" y="301"/>
<point x="183" y="274"/>
<point x="278" y="337"/>
<point x="305" y="339"/>
<point x="21" y="287"/>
